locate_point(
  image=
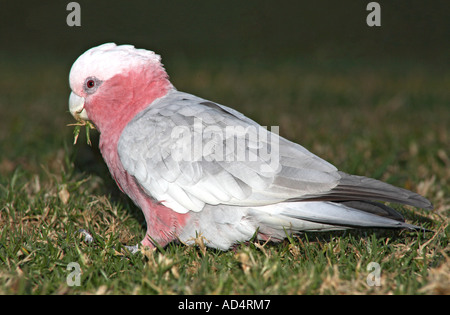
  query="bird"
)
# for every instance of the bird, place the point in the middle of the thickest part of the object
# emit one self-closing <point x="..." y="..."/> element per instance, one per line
<point x="198" y="168"/>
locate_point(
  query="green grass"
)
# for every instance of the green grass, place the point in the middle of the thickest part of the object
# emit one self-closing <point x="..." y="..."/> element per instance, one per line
<point x="388" y="121"/>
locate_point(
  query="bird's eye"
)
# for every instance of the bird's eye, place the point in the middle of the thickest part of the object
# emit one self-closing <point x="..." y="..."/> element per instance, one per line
<point x="90" y="84"/>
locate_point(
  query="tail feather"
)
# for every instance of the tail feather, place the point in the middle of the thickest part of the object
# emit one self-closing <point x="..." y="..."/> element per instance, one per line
<point x="352" y="187"/>
<point x="344" y="215"/>
<point x="375" y="208"/>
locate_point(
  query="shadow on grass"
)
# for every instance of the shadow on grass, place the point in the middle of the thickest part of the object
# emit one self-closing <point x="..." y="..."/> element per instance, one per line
<point x="88" y="160"/>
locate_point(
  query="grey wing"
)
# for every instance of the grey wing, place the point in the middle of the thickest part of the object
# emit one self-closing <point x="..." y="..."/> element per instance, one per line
<point x="187" y="152"/>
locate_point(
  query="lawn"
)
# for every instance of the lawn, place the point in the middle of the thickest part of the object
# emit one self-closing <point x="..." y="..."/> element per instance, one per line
<point x="387" y="120"/>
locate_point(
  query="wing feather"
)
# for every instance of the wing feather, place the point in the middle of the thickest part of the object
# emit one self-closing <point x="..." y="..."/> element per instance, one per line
<point x="238" y="162"/>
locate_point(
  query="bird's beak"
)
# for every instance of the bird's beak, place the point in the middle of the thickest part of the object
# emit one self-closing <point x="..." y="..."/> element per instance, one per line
<point x="76" y="107"/>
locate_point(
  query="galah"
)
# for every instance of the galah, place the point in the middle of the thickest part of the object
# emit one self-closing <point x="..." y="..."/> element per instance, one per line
<point x="198" y="168"/>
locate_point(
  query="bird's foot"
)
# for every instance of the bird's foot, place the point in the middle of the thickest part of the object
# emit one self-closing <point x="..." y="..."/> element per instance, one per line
<point x="132" y="249"/>
<point x="88" y="238"/>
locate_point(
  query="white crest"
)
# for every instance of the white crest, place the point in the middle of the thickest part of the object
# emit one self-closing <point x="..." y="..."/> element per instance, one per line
<point x="108" y="60"/>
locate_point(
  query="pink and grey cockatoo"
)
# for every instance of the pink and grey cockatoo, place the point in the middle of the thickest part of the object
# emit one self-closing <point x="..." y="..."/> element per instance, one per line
<point x="196" y="167"/>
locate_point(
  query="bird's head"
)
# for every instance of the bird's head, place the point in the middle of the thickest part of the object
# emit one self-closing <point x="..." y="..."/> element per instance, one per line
<point x="110" y="84"/>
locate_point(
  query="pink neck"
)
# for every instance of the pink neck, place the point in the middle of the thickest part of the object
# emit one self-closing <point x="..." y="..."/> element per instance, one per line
<point x="111" y="111"/>
<point x="121" y="98"/>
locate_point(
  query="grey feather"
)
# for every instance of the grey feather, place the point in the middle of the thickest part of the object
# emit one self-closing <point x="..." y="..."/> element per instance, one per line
<point x="228" y="198"/>
<point x="255" y="179"/>
<point x="353" y="187"/>
<point x="224" y="225"/>
<point x="374" y="208"/>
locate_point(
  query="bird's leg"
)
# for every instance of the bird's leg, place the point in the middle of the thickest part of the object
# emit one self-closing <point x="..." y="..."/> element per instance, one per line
<point x="147" y="242"/>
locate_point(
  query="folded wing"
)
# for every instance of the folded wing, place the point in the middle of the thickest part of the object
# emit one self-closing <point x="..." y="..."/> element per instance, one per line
<point x="186" y="152"/>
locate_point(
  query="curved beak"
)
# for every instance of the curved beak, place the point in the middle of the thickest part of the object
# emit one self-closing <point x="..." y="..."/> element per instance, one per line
<point x="76" y="107"/>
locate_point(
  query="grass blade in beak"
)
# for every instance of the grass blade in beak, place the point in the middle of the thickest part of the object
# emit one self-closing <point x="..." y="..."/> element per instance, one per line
<point x="77" y="129"/>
